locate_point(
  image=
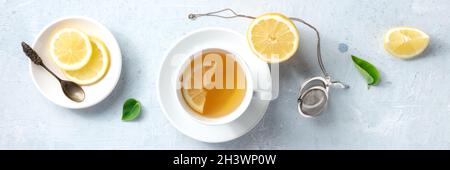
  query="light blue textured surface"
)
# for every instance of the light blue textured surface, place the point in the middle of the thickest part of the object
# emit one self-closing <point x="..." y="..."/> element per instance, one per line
<point x="410" y="109"/>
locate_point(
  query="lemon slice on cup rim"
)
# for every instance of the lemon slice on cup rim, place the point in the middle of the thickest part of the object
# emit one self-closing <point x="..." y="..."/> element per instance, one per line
<point x="70" y="49"/>
<point x="273" y="37"/>
<point x="95" y="69"/>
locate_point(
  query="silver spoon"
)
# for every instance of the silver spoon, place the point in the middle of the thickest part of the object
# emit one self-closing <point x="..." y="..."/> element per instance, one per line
<point x="72" y="90"/>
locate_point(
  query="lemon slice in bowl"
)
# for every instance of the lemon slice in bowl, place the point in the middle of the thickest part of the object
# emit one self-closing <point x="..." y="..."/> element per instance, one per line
<point x="273" y="37"/>
<point x="95" y="69"/>
<point x="406" y="42"/>
<point x="70" y="49"/>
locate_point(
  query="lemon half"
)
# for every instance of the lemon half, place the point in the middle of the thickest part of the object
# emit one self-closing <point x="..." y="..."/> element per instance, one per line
<point x="406" y="42"/>
<point x="273" y="37"/>
<point x="95" y="69"/>
<point x="70" y="49"/>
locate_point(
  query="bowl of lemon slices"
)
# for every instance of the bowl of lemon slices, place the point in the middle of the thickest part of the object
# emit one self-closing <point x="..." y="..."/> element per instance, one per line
<point x="81" y="50"/>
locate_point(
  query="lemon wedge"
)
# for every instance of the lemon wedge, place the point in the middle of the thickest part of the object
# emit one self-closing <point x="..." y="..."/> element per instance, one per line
<point x="70" y="49"/>
<point x="273" y="37"/>
<point x="95" y="69"/>
<point x="194" y="97"/>
<point x="406" y="42"/>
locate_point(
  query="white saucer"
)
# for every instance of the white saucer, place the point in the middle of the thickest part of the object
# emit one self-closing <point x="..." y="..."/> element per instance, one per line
<point x="188" y="45"/>
<point x="51" y="88"/>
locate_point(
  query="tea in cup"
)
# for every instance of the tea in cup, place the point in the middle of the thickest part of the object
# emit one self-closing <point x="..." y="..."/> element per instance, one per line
<point x="215" y="86"/>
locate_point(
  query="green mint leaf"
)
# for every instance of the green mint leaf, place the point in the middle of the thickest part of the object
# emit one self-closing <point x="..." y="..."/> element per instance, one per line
<point x="367" y="70"/>
<point x="131" y="110"/>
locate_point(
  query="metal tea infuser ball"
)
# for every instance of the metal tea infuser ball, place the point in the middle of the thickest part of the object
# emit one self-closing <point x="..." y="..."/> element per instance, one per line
<point x="313" y="94"/>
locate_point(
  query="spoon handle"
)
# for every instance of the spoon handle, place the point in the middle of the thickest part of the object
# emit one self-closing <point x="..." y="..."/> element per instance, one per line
<point x="34" y="57"/>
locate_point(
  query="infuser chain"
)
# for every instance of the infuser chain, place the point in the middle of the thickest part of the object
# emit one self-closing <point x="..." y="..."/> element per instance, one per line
<point x="214" y="14"/>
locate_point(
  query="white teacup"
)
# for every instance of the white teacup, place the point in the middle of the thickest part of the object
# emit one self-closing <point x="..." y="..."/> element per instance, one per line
<point x="249" y="86"/>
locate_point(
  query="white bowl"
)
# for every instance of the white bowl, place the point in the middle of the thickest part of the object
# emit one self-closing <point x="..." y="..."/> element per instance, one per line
<point x="50" y="87"/>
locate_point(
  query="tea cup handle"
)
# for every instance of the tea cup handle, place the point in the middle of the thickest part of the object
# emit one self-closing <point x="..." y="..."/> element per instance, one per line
<point x="263" y="94"/>
<point x="265" y="91"/>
